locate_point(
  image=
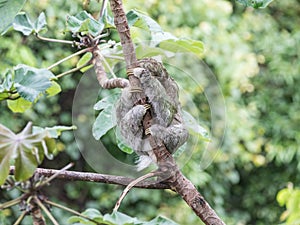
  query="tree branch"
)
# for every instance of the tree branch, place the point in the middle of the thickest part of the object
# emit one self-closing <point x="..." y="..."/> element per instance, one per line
<point x="165" y="161"/>
<point x="95" y="177"/>
<point x="101" y="74"/>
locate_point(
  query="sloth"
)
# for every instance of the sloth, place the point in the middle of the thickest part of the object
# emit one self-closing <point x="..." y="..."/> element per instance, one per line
<point x="163" y="102"/>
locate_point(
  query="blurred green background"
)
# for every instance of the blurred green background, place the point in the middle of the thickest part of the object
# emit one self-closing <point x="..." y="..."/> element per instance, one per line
<point x="254" y="55"/>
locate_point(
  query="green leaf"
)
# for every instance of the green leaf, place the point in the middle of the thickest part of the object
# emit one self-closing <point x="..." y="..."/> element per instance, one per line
<point x="143" y="51"/>
<point x="8" y="82"/>
<point x="4" y="96"/>
<point x="30" y="82"/>
<point x="84" y="60"/>
<point x="19" y="105"/>
<point x="85" y="23"/>
<point x="183" y="45"/>
<point x="25" y="149"/>
<point x="25" y="163"/>
<point x="40" y="24"/>
<point x="93" y="214"/>
<point x="104" y="122"/>
<point x="119" y="219"/>
<point x="106" y="118"/>
<point x="5" y="152"/>
<point x="8" y="11"/>
<point x="54" y="89"/>
<point x="159" y="220"/>
<point x="283" y="196"/>
<point x="192" y="124"/>
<point x="141" y="20"/>
<point x="107" y="101"/>
<point x="255" y="3"/>
<point x="107" y="20"/>
<point x="23" y="24"/>
<point x="121" y="144"/>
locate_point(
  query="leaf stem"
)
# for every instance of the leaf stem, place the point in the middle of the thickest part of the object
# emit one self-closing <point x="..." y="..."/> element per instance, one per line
<point x="11" y="203"/>
<point x="72" y="70"/>
<point x="102" y="35"/>
<point x="57" y="40"/>
<point x="69" y="57"/>
<point x="46" y="211"/>
<point x="108" y="66"/>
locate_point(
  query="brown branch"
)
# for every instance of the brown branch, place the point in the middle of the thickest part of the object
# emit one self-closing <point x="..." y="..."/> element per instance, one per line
<point x="101" y="74"/>
<point x="121" y="23"/>
<point x="95" y="177"/>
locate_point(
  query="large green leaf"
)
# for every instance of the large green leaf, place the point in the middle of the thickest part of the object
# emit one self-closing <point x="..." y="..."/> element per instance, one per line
<point x="141" y="20"/>
<point x="8" y="11"/>
<point x="23" y="24"/>
<point x="118" y="218"/>
<point x="24" y="149"/>
<point x="30" y="82"/>
<point x="183" y="45"/>
<point x="105" y="102"/>
<point x="84" y="23"/>
<point x="255" y="3"/>
<point x="161" y="39"/>
<point x="104" y="122"/>
<point x="106" y="118"/>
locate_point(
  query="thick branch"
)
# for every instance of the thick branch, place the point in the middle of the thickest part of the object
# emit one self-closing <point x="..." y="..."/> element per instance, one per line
<point x="95" y="177"/>
<point x="121" y="23"/>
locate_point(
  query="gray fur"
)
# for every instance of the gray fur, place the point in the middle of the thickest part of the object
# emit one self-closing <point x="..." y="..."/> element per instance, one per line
<point x="167" y="124"/>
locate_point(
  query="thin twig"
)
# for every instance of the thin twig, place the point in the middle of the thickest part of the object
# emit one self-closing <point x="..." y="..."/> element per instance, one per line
<point x="108" y="66"/>
<point x="72" y="70"/>
<point x="20" y="218"/>
<point x="47" y="181"/>
<point x="69" y="57"/>
<point x="11" y="203"/>
<point x="69" y="210"/>
<point x="102" y="36"/>
<point x="131" y="185"/>
<point x="46" y="211"/>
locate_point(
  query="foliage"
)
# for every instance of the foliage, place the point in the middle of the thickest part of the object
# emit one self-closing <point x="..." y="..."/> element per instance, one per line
<point x="255" y="3"/>
<point x="8" y="11"/>
<point x="254" y="55"/>
<point x="116" y="218"/>
<point x="26" y="149"/>
<point x="290" y="198"/>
